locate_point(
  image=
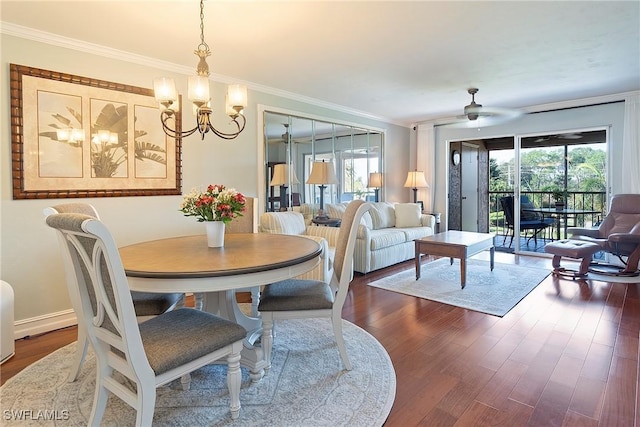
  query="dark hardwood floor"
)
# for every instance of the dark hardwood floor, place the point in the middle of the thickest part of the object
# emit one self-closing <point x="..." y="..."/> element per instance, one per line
<point x="566" y="355"/>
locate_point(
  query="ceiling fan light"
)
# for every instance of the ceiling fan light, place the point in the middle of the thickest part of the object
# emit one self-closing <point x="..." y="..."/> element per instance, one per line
<point x="472" y="110"/>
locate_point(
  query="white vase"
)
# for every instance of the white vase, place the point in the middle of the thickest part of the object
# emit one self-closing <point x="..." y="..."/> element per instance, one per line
<point x="215" y="234"/>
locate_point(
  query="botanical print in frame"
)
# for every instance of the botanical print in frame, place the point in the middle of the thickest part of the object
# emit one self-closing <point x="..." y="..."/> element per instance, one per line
<point x="76" y="136"/>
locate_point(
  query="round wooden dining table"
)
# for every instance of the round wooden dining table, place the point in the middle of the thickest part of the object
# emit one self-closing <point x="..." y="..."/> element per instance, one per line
<point x="247" y="260"/>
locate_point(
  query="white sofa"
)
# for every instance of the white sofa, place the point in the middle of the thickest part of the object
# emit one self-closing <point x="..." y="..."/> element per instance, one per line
<point x="386" y="234"/>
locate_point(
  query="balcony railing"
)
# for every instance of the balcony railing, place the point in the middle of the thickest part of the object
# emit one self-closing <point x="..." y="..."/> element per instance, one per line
<point x="581" y="200"/>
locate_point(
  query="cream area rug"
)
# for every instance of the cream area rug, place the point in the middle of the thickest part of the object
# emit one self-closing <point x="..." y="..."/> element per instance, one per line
<point x="492" y="292"/>
<point x="306" y="386"/>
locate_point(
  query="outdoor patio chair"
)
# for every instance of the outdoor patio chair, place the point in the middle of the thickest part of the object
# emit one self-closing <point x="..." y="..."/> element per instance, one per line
<point x="529" y="221"/>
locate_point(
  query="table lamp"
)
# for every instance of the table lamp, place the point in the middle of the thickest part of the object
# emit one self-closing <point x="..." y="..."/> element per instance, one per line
<point x="322" y="173"/>
<point x="415" y="180"/>
<point x="375" y="182"/>
<point x="283" y="175"/>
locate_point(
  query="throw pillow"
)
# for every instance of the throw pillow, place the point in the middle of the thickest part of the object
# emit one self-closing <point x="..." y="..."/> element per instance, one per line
<point x="408" y="215"/>
<point x="336" y="210"/>
<point x="383" y="215"/>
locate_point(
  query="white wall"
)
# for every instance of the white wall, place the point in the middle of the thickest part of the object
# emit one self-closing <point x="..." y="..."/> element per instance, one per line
<point x="29" y="258"/>
<point x="566" y="120"/>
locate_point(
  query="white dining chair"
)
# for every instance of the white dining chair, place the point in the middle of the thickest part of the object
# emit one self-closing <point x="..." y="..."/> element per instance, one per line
<point x="145" y="304"/>
<point x="149" y="354"/>
<point x="303" y="298"/>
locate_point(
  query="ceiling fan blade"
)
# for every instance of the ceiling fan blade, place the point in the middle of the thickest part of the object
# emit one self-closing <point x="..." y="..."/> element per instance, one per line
<point x="495" y="111"/>
<point x="480" y="122"/>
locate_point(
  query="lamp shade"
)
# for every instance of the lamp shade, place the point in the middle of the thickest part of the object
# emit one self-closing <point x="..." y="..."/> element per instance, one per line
<point x="237" y="96"/>
<point x="283" y="174"/>
<point x="322" y="173"/>
<point x="375" y="180"/>
<point x="164" y="90"/>
<point x="416" y="179"/>
<point x="199" y="90"/>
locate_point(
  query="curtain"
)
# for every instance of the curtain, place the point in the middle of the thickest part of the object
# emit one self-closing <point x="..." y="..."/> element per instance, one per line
<point x="425" y="153"/>
<point x="631" y="145"/>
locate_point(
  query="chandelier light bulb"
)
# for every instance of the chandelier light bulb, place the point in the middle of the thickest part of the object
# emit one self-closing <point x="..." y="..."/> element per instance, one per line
<point x="237" y="96"/>
<point x="70" y="135"/>
<point x="199" y="90"/>
<point x="164" y="90"/>
<point x="63" y="134"/>
<point x="77" y="135"/>
<point x="104" y="136"/>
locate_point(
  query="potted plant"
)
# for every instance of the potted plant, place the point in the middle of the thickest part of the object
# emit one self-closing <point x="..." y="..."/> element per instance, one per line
<point x="559" y="197"/>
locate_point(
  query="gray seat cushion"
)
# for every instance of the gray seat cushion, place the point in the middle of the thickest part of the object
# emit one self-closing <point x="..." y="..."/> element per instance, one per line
<point x="151" y="304"/>
<point x="179" y="336"/>
<point x="295" y="294"/>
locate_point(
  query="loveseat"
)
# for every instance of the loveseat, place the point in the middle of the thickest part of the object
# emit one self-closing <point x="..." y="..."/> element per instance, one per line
<point x="386" y="233"/>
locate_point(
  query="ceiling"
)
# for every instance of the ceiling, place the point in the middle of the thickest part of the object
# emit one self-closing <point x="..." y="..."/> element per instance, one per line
<point x="398" y="61"/>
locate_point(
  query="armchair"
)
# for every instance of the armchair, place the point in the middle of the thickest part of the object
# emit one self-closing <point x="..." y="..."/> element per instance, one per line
<point x="293" y="223"/>
<point x="618" y="234"/>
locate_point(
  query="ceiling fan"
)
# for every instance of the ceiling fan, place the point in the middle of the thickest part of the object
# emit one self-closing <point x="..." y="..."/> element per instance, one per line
<point x="475" y="115"/>
<point x="286" y="136"/>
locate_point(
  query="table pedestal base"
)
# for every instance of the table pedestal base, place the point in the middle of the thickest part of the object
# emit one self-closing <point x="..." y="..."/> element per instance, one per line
<point x="224" y="304"/>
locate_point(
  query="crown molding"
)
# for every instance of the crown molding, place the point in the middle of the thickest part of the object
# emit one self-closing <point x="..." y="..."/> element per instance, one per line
<point x="580" y="102"/>
<point x="104" y="51"/>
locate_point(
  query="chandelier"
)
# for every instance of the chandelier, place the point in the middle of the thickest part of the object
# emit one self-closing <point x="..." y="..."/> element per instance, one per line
<point x="165" y="93"/>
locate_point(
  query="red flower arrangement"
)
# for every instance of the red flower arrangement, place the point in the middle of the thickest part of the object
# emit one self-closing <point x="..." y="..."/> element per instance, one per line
<point x="217" y="203"/>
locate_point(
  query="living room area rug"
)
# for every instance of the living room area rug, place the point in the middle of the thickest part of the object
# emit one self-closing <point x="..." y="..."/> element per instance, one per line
<point x="306" y="386"/>
<point x="493" y="292"/>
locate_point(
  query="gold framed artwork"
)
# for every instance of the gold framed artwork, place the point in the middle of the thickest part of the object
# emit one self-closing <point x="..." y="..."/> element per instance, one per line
<point x="74" y="136"/>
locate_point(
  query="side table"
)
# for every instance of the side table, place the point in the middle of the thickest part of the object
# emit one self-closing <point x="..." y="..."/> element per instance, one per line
<point x="437" y="215"/>
<point x="327" y="222"/>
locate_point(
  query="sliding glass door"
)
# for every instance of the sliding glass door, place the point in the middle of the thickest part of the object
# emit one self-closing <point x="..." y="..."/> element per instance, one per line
<point x="563" y="183"/>
<point x="542" y="184"/>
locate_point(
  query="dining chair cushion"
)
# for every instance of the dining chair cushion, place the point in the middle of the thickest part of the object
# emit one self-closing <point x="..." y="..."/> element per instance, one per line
<point x="291" y="295"/>
<point x="150" y="304"/>
<point x="186" y="327"/>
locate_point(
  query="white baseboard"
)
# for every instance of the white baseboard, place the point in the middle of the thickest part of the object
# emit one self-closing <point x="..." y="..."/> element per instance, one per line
<point x="46" y="323"/>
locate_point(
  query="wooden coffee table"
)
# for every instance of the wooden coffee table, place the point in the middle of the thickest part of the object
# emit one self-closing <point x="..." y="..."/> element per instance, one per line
<point x="455" y="244"/>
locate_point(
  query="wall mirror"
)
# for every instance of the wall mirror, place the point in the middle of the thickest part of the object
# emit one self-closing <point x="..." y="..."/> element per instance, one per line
<point x="293" y="144"/>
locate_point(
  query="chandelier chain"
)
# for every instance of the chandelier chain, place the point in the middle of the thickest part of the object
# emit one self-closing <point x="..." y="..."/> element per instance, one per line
<point x="203" y="45"/>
